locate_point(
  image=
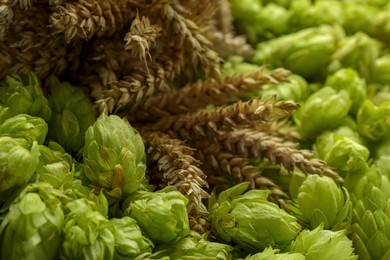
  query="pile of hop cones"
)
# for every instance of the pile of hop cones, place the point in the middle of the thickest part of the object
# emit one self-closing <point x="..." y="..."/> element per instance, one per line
<point x="158" y="63"/>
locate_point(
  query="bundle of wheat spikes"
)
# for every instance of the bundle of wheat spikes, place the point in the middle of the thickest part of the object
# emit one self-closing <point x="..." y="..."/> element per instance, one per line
<point x="158" y="62"/>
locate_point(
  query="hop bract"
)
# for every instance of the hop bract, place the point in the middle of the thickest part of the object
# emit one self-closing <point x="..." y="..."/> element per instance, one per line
<point x="23" y="95"/>
<point x="374" y="121"/>
<point x="87" y="233"/>
<point x="32" y="228"/>
<point x="162" y="215"/>
<point x="249" y="220"/>
<point x="321" y="201"/>
<point x="73" y="113"/>
<point x="129" y="240"/>
<point x="323" y="244"/>
<point x="114" y="157"/>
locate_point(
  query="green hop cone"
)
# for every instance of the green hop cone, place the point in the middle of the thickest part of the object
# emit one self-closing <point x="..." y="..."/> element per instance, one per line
<point x="374" y="121"/>
<point x="307" y="14"/>
<point x="114" y="157"/>
<point x="296" y="89"/>
<point x="31" y="128"/>
<point x="321" y="201"/>
<point x="348" y="79"/>
<point x="382" y="25"/>
<point x="55" y="167"/>
<point x="129" y="240"/>
<point x="324" y="109"/>
<point x="323" y="244"/>
<point x="32" y="228"/>
<point x="249" y="220"/>
<point x="273" y="254"/>
<point x="193" y="246"/>
<point x="381" y="72"/>
<point x="23" y="95"/>
<point x="73" y="113"/>
<point x="306" y="53"/>
<point x="162" y="215"/>
<point x="359" y="18"/>
<point x="341" y="152"/>
<point x="18" y="162"/>
<point x="87" y="233"/>
<point x="358" y="52"/>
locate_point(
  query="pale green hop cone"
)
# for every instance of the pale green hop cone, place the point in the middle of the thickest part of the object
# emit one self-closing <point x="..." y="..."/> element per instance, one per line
<point x="87" y="233"/>
<point x="273" y="254"/>
<point x="323" y="244"/>
<point x="249" y="220"/>
<point x="23" y="95"/>
<point x="32" y="228"/>
<point x="114" y="157"/>
<point x="129" y="239"/>
<point x="321" y="201"/>
<point x="73" y="113"/>
<point x="162" y="215"/>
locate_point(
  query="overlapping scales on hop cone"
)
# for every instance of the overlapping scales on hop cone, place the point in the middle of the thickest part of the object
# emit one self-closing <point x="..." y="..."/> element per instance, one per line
<point x="192" y="246"/>
<point x="87" y="234"/>
<point x="130" y="241"/>
<point x="114" y="157"/>
<point x="32" y="229"/>
<point x="162" y="215"/>
<point x="23" y="95"/>
<point x="249" y="220"/>
<point x="274" y="254"/>
<point x="322" y="202"/>
<point x="73" y="113"/>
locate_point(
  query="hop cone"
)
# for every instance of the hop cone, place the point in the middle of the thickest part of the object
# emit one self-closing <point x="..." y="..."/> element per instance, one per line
<point x="251" y="221"/>
<point x="162" y="215"/>
<point x="306" y="52"/>
<point x="87" y="233"/>
<point x="273" y="254"/>
<point x="193" y="246"/>
<point x="114" y="157"/>
<point x="23" y="95"/>
<point x="129" y="240"/>
<point x="323" y="244"/>
<point x="321" y="201"/>
<point x="32" y="228"/>
<point x="72" y="114"/>
<point x="18" y="162"/>
<point x="55" y="167"/>
<point x="324" y="109"/>
<point x="31" y="128"/>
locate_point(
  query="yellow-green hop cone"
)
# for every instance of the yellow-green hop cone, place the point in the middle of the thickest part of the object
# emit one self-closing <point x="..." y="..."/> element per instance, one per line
<point x="323" y="244"/>
<point x="358" y="52"/>
<point x="341" y="152"/>
<point x="162" y="215"/>
<point x="55" y="167"/>
<point x="323" y="110"/>
<point x="381" y="73"/>
<point x="193" y="246"/>
<point x="374" y="121"/>
<point x="296" y="89"/>
<point x="348" y="79"/>
<point x="382" y="25"/>
<point x="18" y="162"/>
<point x="129" y="240"/>
<point x="32" y="228"/>
<point x="73" y="113"/>
<point x="306" y="52"/>
<point x="23" y="95"/>
<point x="273" y="254"/>
<point x="31" y="128"/>
<point x="114" y="157"/>
<point x="321" y="201"/>
<point x="87" y="233"/>
<point x="249" y="220"/>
